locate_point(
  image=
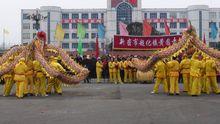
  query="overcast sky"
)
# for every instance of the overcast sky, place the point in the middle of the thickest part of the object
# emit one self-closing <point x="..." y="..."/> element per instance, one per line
<point x="10" y="10"/>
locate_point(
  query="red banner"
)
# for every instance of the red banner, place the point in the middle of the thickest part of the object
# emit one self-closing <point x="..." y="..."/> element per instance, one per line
<point x="144" y="43"/>
<point x="115" y="3"/>
<point x="82" y="20"/>
<point x="167" y="20"/>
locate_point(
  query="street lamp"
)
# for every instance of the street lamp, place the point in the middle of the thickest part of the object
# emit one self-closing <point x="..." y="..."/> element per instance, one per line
<point x="37" y="17"/>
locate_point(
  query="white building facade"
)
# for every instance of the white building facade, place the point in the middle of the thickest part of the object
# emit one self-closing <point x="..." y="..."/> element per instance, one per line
<point x="126" y="11"/>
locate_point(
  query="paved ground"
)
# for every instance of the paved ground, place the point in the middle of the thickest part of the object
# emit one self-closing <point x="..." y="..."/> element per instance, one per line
<point x="111" y="104"/>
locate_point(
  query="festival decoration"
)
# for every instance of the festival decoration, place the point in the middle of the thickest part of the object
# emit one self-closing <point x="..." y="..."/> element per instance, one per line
<point x="188" y="43"/>
<point x="41" y="52"/>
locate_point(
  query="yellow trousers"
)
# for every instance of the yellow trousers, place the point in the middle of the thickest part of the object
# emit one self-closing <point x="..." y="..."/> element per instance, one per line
<point x="40" y="86"/>
<point x="29" y="85"/>
<point x="119" y="77"/>
<point x="98" y="76"/>
<point x="111" y="78"/>
<point x="174" y="85"/>
<point x="195" y="86"/>
<point x="54" y="82"/>
<point x="203" y="84"/>
<point x="130" y="76"/>
<point x="134" y="76"/>
<point x="186" y="79"/>
<point x="8" y="86"/>
<point x="157" y="84"/>
<point x="125" y="76"/>
<point x="211" y="83"/>
<point x="20" y="89"/>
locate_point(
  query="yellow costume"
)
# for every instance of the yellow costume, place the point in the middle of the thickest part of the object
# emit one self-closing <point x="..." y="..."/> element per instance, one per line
<point x="211" y="81"/>
<point x="29" y="84"/>
<point x="195" y="76"/>
<point x="185" y="71"/>
<point x="174" y="76"/>
<point x="54" y="82"/>
<point x="116" y="75"/>
<point x="20" y="71"/>
<point x="160" y="69"/>
<point x="112" y="71"/>
<point x="8" y="78"/>
<point x="99" y="67"/>
<point x="39" y="79"/>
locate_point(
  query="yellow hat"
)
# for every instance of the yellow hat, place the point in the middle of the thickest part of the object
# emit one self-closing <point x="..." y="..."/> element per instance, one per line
<point x="22" y="59"/>
<point x="10" y="58"/>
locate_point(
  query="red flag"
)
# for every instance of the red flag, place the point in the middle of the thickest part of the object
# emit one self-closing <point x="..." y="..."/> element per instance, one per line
<point x="147" y="28"/>
<point x="204" y="40"/>
<point x="97" y="47"/>
<point x="133" y="2"/>
<point x="167" y="29"/>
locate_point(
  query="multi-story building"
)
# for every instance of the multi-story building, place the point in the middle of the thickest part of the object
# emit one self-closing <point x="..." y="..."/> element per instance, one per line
<point x="126" y="11"/>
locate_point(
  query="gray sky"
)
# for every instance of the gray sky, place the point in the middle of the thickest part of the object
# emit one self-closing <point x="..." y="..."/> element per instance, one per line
<point x="10" y="11"/>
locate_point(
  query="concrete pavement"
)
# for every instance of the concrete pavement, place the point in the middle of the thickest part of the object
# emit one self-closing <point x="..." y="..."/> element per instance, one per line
<point x="111" y="104"/>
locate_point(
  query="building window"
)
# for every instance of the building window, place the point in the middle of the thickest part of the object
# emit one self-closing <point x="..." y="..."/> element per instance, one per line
<point x="210" y="35"/>
<point x="153" y="15"/>
<point x="94" y="15"/>
<point x="34" y="34"/>
<point x="145" y="15"/>
<point x="154" y="25"/>
<point x="173" y="33"/>
<point x="85" y="45"/>
<point x="102" y="15"/>
<point x="124" y="14"/>
<point x="35" y="26"/>
<point x="94" y="25"/>
<point x="183" y="15"/>
<point x="74" y="45"/>
<point x="74" y="25"/>
<point x="173" y="25"/>
<point x="212" y="15"/>
<point x="173" y="15"/>
<point x="66" y="36"/>
<point x="87" y="36"/>
<point x="75" y="16"/>
<point x="74" y="36"/>
<point x="92" y="45"/>
<point x="85" y="16"/>
<point x="183" y="25"/>
<point x="86" y="25"/>
<point x="26" y="26"/>
<point x="163" y="15"/>
<point x="26" y="35"/>
<point x="93" y="35"/>
<point x="65" y="45"/>
<point x="26" y="16"/>
<point x="211" y="23"/>
<point x="162" y="25"/>
<point x="65" y="25"/>
<point x="65" y="16"/>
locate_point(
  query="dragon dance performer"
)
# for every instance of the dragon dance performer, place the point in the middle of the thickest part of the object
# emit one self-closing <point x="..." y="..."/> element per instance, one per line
<point x="20" y="71"/>
<point x="185" y="71"/>
<point x="211" y="80"/>
<point x="195" y="75"/>
<point x="129" y="70"/>
<point x="160" y="69"/>
<point x="173" y="66"/>
<point x="29" y="84"/>
<point x="53" y="81"/>
<point x="117" y="76"/>
<point x="39" y="79"/>
<point x="99" y="67"/>
<point x="8" y="78"/>
<point x="112" y="70"/>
